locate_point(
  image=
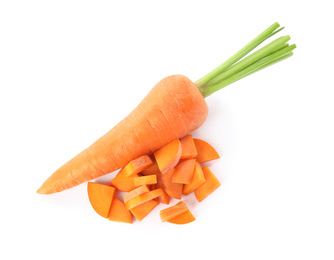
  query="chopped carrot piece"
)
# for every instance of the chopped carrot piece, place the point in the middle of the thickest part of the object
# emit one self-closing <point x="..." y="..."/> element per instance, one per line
<point x="168" y="156"/>
<point x="173" y="211"/>
<point x="210" y="185"/>
<point x="173" y="189"/>
<point x="100" y="197"/>
<point x="123" y="183"/>
<point x="188" y="147"/>
<point x="183" y="218"/>
<point x="134" y="193"/>
<point x="205" y="151"/>
<point x="119" y="213"/>
<point x="164" y="198"/>
<point x="153" y="169"/>
<point x="137" y="165"/>
<point x="198" y="179"/>
<point x="144" y="209"/>
<point x="184" y="171"/>
<point x="145" y="180"/>
<point x="142" y="198"/>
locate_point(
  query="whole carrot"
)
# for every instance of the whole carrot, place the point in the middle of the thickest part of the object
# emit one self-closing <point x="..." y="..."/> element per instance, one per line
<point x="174" y="107"/>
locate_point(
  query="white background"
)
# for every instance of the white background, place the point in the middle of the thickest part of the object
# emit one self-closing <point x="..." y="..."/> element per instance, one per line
<point x="71" y="70"/>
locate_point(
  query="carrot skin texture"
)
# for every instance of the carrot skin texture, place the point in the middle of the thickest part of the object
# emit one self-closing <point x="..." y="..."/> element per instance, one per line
<point x="173" y="108"/>
<point x="210" y="185"/>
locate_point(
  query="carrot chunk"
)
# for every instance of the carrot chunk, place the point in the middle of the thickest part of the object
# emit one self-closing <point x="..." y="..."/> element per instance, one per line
<point x="197" y="180"/>
<point x="123" y="183"/>
<point x="205" y="151"/>
<point x="142" y="198"/>
<point x="153" y="169"/>
<point x="119" y="213"/>
<point x="100" y="197"/>
<point x="173" y="189"/>
<point x="145" y="180"/>
<point x="210" y="185"/>
<point x="183" y="218"/>
<point x="141" y="211"/>
<point x="164" y="198"/>
<point x="134" y="193"/>
<point x="184" y="171"/>
<point x="188" y="147"/>
<point x="168" y="156"/>
<point x="137" y="165"/>
<point x="173" y="211"/>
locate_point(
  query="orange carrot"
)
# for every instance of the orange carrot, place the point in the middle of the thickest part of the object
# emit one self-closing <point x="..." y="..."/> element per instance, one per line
<point x="134" y="193"/>
<point x="210" y="185"/>
<point x="188" y="147"/>
<point x="119" y="213"/>
<point x="136" y="166"/>
<point x="144" y="209"/>
<point x="205" y="151"/>
<point x="145" y="180"/>
<point x="184" y="171"/>
<point x="173" y="211"/>
<point x="198" y="179"/>
<point x="153" y="169"/>
<point x="164" y="198"/>
<point x="142" y="198"/>
<point x="168" y="156"/>
<point x="183" y="218"/>
<point x="100" y="197"/>
<point x="173" y="189"/>
<point x="123" y="183"/>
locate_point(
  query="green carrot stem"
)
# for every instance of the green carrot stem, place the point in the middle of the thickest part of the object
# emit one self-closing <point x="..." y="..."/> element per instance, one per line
<point x="270" y="31"/>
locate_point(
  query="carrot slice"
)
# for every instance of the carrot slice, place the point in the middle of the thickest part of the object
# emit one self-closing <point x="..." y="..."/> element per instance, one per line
<point x="100" y="197"/>
<point x="205" y="151"/>
<point x="168" y="156"/>
<point x="184" y="171"/>
<point x="197" y="180"/>
<point x="123" y="183"/>
<point x="119" y="213"/>
<point x="188" y="147"/>
<point x="183" y="218"/>
<point x="145" y="180"/>
<point x="137" y="165"/>
<point x="134" y="193"/>
<point x="142" y="198"/>
<point x="210" y="185"/>
<point x="144" y="209"/>
<point x="153" y="169"/>
<point x="173" y="189"/>
<point x="164" y="198"/>
<point x="173" y="211"/>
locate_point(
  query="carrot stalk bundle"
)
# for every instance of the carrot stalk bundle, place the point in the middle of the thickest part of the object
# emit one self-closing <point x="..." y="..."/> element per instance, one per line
<point x="174" y="107"/>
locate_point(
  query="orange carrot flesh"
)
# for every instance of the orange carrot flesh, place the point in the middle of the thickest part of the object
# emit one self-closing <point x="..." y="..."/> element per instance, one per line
<point x="210" y="185"/>
<point x="188" y="147"/>
<point x="123" y="183"/>
<point x="134" y="193"/>
<point x="100" y="197"/>
<point x="137" y="165"/>
<point x="153" y="169"/>
<point x="168" y="156"/>
<point x="119" y="213"/>
<point x="164" y="198"/>
<point x="173" y="211"/>
<point x="141" y="211"/>
<point x="184" y="171"/>
<point x="145" y="180"/>
<point x="205" y="151"/>
<point x="183" y="218"/>
<point x="197" y="180"/>
<point x="140" y="199"/>
<point x="173" y="189"/>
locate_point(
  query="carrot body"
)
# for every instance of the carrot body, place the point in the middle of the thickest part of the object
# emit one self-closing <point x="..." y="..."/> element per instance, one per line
<point x="172" y="109"/>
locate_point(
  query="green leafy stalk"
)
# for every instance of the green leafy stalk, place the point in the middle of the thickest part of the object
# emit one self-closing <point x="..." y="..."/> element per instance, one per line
<point x="238" y="67"/>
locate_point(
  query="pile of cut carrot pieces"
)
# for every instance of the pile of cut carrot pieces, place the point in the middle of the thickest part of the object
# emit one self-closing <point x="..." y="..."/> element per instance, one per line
<point x="173" y="171"/>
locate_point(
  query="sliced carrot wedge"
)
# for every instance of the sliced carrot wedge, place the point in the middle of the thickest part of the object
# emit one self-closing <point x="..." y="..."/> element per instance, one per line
<point x="205" y="151"/>
<point x="100" y="197"/>
<point x="173" y="189"/>
<point x="184" y="171"/>
<point x="134" y="193"/>
<point x="164" y="198"/>
<point x="197" y="180"/>
<point x="119" y="213"/>
<point x="123" y="183"/>
<point x="153" y="169"/>
<point x="145" y="180"/>
<point x="141" y="211"/>
<point x="137" y="165"/>
<point x="183" y="218"/>
<point x="210" y="185"/>
<point x="173" y="211"/>
<point x="188" y="147"/>
<point x="142" y="198"/>
<point x="168" y="156"/>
